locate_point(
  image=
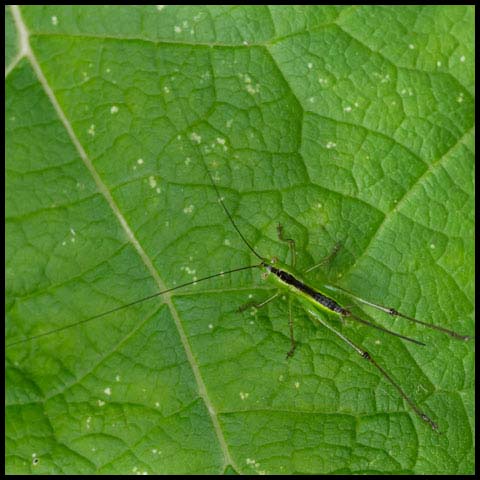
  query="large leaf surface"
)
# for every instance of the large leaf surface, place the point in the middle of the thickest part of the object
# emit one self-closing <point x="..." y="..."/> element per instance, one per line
<point x="351" y="125"/>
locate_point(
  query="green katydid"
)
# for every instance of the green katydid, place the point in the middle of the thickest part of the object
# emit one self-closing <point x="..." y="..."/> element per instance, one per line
<point x="316" y="299"/>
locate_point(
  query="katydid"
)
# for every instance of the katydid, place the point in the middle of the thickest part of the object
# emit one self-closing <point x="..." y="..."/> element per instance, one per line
<point x="316" y="300"/>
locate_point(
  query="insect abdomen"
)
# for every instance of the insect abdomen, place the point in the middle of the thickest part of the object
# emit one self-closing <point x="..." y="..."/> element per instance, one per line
<point x="290" y="280"/>
<point x="329" y="303"/>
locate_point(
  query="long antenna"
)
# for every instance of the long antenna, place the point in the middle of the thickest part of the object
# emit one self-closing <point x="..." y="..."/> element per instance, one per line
<point x="149" y="297"/>
<point x="220" y="199"/>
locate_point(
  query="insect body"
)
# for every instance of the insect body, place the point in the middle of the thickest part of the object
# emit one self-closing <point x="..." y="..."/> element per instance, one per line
<point x="315" y="300"/>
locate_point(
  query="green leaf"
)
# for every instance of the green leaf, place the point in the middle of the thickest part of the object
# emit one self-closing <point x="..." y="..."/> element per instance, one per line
<point x="344" y="124"/>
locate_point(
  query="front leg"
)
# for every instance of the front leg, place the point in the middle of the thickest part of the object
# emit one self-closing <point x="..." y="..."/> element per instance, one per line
<point x="293" y="344"/>
<point x="290" y="241"/>
<point x="327" y="259"/>
<point x="256" y="305"/>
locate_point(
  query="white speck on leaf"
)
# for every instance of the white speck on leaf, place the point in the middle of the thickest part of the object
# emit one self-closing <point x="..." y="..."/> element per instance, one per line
<point x="101" y="403"/>
<point x="383" y="78"/>
<point x="188" y="209"/>
<point x="408" y="91"/>
<point x="152" y="181"/>
<point x="54" y="20"/>
<point x="253" y="90"/>
<point x="114" y="109"/>
<point x="462" y="58"/>
<point x="108" y="391"/>
<point x="177" y="29"/>
<point x="411" y="46"/>
<point x="195" y="137"/>
<point x="330" y="145"/>
<point x="140" y="161"/>
<point x="91" y="130"/>
<point x="189" y="270"/>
